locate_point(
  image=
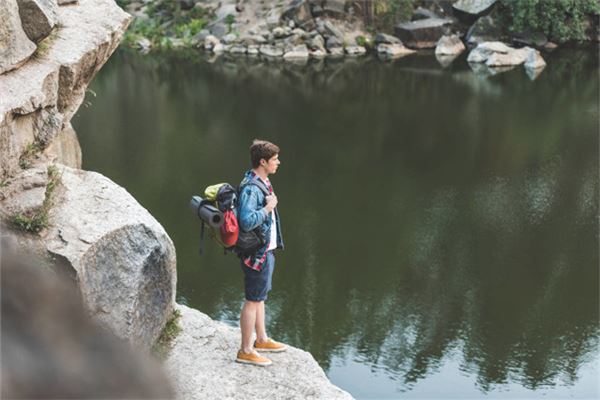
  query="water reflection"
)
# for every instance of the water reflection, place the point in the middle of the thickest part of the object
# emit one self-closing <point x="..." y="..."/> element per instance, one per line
<point x="432" y="217"/>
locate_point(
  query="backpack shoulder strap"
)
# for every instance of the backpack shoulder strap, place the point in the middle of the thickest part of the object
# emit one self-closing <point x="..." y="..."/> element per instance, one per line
<point x="259" y="184"/>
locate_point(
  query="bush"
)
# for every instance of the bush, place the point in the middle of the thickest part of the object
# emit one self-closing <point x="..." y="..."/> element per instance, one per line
<point x="560" y="20"/>
<point x="387" y="13"/>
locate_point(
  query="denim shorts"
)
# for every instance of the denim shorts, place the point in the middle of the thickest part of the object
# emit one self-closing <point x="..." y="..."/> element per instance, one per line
<point x="258" y="283"/>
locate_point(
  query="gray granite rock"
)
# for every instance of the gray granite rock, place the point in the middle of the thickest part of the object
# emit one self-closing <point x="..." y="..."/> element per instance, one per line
<point x="40" y="97"/>
<point x="270" y="50"/>
<point x="38" y="17"/>
<point x="449" y="45"/>
<point x="485" y="29"/>
<point x="474" y="7"/>
<point x="393" y="50"/>
<point x="15" y="46"/>
<point x="123" y="259"/>
<point x="297" y="53"/>
<point x="202" y="365"/>
<point x="423" y="34"/>
<point x="385" y="38"/>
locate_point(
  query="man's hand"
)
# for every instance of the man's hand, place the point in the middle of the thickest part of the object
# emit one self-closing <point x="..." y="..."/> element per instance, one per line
<point x="271" y="203"/>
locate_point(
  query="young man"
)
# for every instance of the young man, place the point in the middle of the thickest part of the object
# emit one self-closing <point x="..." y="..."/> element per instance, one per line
<point x="259" y="211"/>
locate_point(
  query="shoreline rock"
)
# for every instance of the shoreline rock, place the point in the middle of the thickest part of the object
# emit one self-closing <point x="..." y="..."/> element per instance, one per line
<point x="201" y="364"/>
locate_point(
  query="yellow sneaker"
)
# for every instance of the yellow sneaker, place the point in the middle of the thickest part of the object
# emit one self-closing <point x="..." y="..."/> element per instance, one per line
<point x="270" y="346"/>
<point x="253" y="359"/>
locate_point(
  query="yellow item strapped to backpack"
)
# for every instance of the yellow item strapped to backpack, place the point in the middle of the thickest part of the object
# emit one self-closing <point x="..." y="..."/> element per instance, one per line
<point x="210" y="193"/>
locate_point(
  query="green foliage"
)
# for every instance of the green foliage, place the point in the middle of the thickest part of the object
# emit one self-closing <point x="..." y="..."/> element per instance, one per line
<point x="35" y="221"/>
<point x="361" y="40"/>
<point x="169" y="332"/>
<point x="387" y="13"/>
<point x="167" y="22"/>
<point x="230" y="20"/>
<point x="560" y="20"/>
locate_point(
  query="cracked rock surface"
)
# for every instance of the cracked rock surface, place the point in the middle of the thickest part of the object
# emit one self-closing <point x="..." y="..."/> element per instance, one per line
<point x="202" y="365"/>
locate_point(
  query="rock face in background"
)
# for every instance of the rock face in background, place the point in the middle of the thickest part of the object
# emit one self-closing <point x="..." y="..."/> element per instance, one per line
<point x="15" y="46"/>
<point x="205" y="349"/>
<point x="39" y="99"/>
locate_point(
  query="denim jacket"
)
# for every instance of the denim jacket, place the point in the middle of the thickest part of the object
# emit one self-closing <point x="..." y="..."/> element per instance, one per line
<point x="251" y="214"/>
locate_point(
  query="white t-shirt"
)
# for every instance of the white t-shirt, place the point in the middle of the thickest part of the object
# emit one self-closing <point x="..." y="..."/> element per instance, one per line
<point x="273" y="238"/>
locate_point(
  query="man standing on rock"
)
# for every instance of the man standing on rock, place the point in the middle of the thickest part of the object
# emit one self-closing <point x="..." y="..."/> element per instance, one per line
<point x="257" y="211"/>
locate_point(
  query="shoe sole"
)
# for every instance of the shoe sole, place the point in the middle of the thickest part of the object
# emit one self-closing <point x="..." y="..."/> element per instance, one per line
<point x="254" y="363"/>
<point x="260" y="350"/>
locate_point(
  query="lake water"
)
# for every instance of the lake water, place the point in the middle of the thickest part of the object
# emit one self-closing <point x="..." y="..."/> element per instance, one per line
<point x="441" y="224"/>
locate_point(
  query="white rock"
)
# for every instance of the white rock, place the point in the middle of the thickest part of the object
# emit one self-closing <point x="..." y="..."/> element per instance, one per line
<point x="122" y="259"/>
<point x="201" y="366"/>
<point x="355" y="50"/>
<point x="210" y="42"/>
<point x="449" y="46"/>
<point x="393" y="50"/>
<point x="279" y="32"/>
<point x="229" y="38"/>
<point x="218" y="48"/>
<point x="318" y="54"/>
<point x="534" y="60"/>
<point x="15" y="46"/>
<point x="238" y="49"/>
<point x="271" y="51"/>
<point x="298" y="52"/>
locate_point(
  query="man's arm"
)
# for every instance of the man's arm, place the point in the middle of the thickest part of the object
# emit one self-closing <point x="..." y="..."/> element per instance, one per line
<point x="251" y="214"/>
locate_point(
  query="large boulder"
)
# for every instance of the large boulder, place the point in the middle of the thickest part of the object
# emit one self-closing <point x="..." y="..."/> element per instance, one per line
<point x="485" y="29"/>
<point x="123" y="258"/>
<point x="201" y="366"/>
<point x="498" y="54"/>
<point x="472" y="9"/>
<point x="51" y="349"/>
<point x="423" y="34"/>
<point x="482" y="52"/>
<point x="15" y="46"/>
<point x="449" y="46"/>
<point x="299" y="12"/>
<point x="38" y="17"/>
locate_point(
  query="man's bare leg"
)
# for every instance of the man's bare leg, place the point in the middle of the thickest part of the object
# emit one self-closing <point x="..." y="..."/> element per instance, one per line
<point x="261" y="330"/>
<point x="248" y="319"/>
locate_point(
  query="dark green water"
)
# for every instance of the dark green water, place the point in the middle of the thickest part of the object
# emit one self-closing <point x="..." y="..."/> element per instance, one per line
<point x="441" y="227"/>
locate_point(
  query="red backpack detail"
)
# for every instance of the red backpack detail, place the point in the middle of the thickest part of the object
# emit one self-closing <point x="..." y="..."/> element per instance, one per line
<point x="230" y="229"/>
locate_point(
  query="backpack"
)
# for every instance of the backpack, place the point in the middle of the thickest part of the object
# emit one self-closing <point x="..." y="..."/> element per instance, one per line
<point x="218" y="209"/>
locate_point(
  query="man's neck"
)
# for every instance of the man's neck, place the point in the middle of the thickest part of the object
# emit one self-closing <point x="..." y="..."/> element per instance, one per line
<point x="261" y="173"/>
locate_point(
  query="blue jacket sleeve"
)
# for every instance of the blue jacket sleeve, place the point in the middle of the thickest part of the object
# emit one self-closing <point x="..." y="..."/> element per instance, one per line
<point x="251" y="212"/>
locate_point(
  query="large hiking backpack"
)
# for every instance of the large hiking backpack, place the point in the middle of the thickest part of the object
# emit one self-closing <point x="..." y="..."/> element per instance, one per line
<point x="218" y="210"/>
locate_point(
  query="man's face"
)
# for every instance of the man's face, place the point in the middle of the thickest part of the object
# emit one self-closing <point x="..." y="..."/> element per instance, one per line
<point x="272" y="165"/>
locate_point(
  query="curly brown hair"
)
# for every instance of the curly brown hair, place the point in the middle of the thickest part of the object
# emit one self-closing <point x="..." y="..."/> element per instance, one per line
<point x="262" y="149"/>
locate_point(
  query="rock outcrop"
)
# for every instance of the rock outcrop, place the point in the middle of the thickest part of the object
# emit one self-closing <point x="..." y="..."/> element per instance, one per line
<point x="15" y="46"/>
<point x="121" y="258"/>
<point x="205" y="349"/>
